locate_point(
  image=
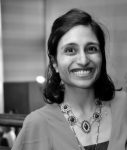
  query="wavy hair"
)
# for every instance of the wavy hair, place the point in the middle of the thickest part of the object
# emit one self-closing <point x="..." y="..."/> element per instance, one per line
<point x="54" y="90"/>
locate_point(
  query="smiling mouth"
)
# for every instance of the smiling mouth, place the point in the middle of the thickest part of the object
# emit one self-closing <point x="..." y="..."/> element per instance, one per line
<point x="83" y="72"/>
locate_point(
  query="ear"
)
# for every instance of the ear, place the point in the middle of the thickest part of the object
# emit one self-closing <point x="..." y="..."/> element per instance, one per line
<point x="53" y="61"/>
<point x="55" y="66"/>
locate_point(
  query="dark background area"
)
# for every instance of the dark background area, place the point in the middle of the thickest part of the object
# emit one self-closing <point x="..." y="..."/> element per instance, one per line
<point x="22" y="97"/>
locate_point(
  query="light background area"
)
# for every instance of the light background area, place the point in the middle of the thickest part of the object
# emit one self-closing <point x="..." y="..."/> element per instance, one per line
<point x="23" y="39"/>
<point x="1" y="67"/>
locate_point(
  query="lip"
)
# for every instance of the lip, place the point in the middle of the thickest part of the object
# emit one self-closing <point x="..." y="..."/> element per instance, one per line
<point x="83" y="72"/>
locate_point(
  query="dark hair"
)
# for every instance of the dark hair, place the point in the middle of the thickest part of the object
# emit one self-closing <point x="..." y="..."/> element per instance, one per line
<point x="54" y="91"/>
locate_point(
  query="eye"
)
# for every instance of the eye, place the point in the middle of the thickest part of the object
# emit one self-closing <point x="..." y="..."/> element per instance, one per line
<point x="93" y="49"/>
<point x="70" y="50"/>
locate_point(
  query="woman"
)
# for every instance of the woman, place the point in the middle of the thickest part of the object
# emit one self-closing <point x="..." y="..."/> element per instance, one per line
<point x="84" y="111"/>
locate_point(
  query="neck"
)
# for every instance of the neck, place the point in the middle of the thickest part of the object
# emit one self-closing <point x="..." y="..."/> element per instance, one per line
<point x="81" y="100"/>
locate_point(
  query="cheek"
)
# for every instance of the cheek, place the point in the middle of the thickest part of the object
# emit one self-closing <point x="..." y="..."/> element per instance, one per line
<point x="63" y="68"/>
<point x="97" y="59"/>
<point x="99" y="63"/>
<point x="62" y="63"/>
<point x="63" y="73"/>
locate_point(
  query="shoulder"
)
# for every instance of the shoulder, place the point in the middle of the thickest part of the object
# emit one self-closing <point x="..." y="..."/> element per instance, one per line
<point x="120" y="98"/>
<point x="119" y="104"/>
<point x="120" y="94"/>
<point x="41" y="115"/>
<point x="119" y="120"/>
<point x="37" y="116"/>
<point x="35" y="133"/>
<point x="36" y="125"/>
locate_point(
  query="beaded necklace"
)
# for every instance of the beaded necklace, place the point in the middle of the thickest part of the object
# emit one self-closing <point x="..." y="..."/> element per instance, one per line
<point x="85" y="125"/>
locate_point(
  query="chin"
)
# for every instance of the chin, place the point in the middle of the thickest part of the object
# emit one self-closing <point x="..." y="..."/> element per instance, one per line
<point x="83" y="84"/>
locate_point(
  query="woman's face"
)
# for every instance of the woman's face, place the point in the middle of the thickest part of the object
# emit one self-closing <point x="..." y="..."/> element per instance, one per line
<point x="79" y="57"/>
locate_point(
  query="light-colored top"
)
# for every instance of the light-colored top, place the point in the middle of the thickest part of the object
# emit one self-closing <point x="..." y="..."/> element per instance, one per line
<point x="47" y="129"/>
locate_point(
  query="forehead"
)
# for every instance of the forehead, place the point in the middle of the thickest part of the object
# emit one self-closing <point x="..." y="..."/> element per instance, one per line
<point x="79" y="34"/>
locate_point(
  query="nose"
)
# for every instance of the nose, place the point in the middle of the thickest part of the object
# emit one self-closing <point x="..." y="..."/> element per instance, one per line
<point x="83" y="58"/>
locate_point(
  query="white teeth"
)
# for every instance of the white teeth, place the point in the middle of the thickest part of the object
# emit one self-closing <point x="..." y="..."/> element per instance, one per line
<point x="82" y="72"/>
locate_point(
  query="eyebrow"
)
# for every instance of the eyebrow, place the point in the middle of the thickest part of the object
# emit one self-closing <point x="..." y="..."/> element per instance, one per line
<point x="93" y="43"/>
<point x="74" y="44"/>
<point x="69" y="44"/>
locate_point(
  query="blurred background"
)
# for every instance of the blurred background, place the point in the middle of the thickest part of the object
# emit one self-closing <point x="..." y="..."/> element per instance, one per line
<point x="25" y="27"/>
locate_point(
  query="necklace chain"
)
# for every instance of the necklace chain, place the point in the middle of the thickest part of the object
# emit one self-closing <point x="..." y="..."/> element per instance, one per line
<point x="84" y="125"/>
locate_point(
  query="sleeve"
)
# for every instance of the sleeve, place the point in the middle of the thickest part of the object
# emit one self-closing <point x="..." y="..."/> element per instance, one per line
<point x="34" y="135"/>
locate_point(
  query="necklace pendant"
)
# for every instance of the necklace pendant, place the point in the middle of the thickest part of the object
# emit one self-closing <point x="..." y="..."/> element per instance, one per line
<point x="97" y="116"/>
<point x="65" y="108"/>
<point x="85" y="126"/>
<point x="72" y="120"/>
